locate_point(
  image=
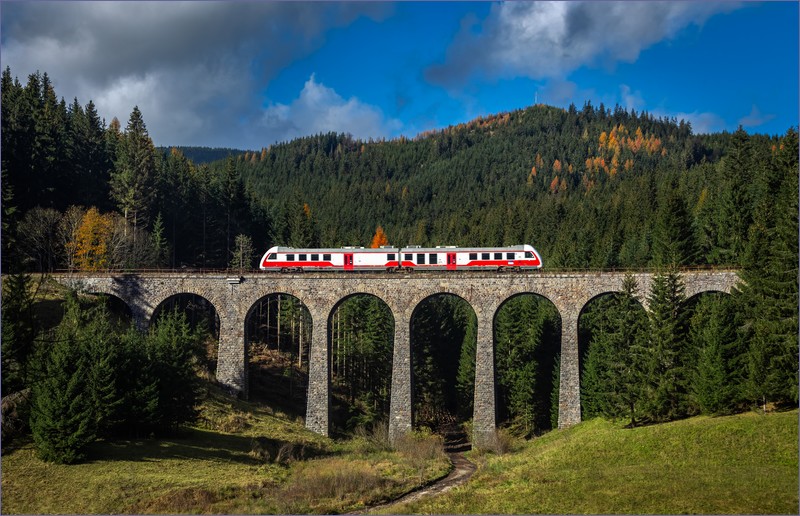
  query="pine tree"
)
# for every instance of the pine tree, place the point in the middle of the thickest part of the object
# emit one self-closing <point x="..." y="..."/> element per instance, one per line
<point x="611" y="383"/>
<point x="20" y="328"/>
<point x="242" y="254"/>
<point x="674" y="240"/>
<point x="664" y="366"/>
<point x="173" y="348"/>
<point x="62" y="419"/>
<point x="159" y="242"/>
<point x="712" y="385"/>
<point x="769" y="291"/>
<point x="132" y="182"/>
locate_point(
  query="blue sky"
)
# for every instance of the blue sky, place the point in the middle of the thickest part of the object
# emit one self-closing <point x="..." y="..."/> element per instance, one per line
<point x="249" y="74"/>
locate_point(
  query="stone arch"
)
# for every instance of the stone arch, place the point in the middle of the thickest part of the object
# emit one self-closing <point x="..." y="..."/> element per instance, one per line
<point x="188" y="300"/>
<point x="277" y="334"/>
<point x="199" y="310"/>
<point x="510" y="317"/>
<point x="118" y="307"/>
<point x="690" y="299"/>
<point x="357" y="372"/>
<point x="114" y="298"/>
<point x="590" y="312"/>
<point x="446" y="359"/>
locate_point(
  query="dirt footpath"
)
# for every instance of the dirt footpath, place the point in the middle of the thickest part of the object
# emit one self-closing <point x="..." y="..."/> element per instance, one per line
<point x="462" y="470"/>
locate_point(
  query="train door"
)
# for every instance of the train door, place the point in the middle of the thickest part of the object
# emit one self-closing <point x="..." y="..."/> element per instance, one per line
<point x="348" y="261"/>
<point x="451" y="261"/>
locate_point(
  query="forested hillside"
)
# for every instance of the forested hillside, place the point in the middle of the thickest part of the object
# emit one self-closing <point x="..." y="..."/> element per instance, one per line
<point x="589" y="188"/>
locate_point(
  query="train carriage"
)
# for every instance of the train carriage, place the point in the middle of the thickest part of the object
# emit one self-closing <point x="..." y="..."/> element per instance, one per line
<point x="517" y="257"/>
<point x="345" y="258"/>
<point x="470" y="258"/>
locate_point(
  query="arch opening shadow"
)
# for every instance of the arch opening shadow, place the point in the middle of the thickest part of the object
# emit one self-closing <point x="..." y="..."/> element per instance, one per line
<point x="361" y="329"/>
<point x="611" y="327"/>
<point x="278" y="330"/>
<point x="443" y="344"/>
<point x="527" y="341"/>
<point x="202" y="317"/>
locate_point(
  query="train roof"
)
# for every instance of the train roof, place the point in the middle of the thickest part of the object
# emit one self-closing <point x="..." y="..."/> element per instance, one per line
<point x="385" y="249"/>
<point x="393" y="249"/>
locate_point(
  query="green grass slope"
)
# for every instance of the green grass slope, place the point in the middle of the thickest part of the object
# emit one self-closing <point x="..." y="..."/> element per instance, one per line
<point x="743" y="464"/>
<point x="221" y="467"/>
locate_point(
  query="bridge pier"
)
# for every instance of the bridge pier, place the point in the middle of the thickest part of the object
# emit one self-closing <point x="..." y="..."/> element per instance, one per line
<point x="400" y="403"/>
<point x="484" y="419"/>
<point x="569" y="392"/>
<point x="318" y="401"/>
<point x="232" y="357"/>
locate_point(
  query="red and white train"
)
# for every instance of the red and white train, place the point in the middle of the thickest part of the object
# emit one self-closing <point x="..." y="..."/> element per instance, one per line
<point x="515" y="257"/>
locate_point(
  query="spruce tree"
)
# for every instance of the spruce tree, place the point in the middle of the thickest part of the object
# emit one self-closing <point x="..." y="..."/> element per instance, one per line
<point x="712" y="385"/>
<point x="769" y="292"/>
<point x="173" y="348"/>
<point x="62" y="419"/>
<point x="132" y="181"/>
<point x="665" y="375"/>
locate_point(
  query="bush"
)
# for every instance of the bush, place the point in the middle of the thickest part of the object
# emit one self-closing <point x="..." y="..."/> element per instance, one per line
<point x="420" y="446"/>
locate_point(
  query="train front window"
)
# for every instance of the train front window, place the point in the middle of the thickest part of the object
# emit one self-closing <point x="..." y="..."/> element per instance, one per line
<point x="272" y="257"/>
<point x="528" y="254"/>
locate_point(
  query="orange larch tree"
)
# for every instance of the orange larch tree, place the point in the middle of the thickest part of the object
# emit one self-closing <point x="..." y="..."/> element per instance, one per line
<point x="379" y="238"/>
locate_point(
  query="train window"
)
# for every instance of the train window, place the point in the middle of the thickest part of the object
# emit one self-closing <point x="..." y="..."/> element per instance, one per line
<point x="409" y="257"/>
<point x="314" y="257"/>
<point x="509" y="256"/>
<point x="473" y="256"/>
<point x="485" y="256"/>
<point x="420" y="259"/>
<point x="326" y="257"/>
<point x="498" y="256"/>
<point x="289" y="257"/>
<point x="528" y="254"/>
<point x="390" y="257"/>
<point x="302" y="257"/>
<point x="273" y="256"/>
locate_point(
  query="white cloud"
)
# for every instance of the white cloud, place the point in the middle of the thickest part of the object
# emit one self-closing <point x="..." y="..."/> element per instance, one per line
<point x="755" y="118"/>
<point x="703" y="122"/>
<point x="631" y="99"/>
<point x="551" y="39"/>
<point x="319" y="109"/>
<point x="197" y="70"/>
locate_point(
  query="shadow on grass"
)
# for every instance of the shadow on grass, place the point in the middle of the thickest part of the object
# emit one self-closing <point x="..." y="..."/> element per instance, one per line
<point x="197" y="444"/>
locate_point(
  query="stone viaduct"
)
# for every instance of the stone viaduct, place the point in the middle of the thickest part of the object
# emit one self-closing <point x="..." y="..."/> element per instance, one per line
<point x="234" y="297"/>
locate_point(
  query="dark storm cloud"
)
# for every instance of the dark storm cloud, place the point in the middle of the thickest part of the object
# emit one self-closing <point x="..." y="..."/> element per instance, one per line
<point x="194" y="68"/>
<point x="545" y="40"/>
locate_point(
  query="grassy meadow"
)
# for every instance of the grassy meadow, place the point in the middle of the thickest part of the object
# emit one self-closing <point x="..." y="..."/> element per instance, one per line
<point x="743" y="464"/>
<point x="220" y="467"/>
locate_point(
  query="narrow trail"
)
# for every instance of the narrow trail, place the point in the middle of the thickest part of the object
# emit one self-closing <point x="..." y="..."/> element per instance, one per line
<point x="455" y="446"/>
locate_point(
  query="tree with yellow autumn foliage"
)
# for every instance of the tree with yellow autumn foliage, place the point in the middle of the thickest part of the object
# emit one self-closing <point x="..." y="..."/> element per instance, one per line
<point x="91" y="241"/>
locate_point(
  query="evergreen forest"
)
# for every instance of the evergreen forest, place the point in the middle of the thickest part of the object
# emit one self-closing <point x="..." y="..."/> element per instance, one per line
<point x="590" y="187"/>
